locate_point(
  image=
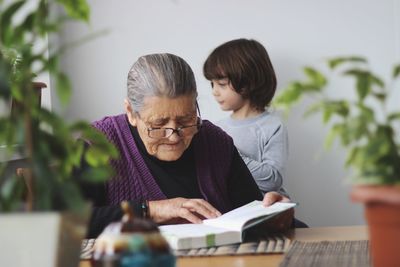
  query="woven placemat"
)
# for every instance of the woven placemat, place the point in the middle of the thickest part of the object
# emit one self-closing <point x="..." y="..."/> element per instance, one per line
<point x="328" y="253"/>
<point x="263" y="245"/>
<point x="269" y="245"/>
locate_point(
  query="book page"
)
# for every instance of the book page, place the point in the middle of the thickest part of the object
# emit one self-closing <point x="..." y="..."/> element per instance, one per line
<point x="190" y="229"/>
<point x="237" y="218"/>
<point x="186" y="236"/>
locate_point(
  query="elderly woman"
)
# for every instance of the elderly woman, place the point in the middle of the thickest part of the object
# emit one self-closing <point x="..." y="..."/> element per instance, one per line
<point x="173" y="165"/>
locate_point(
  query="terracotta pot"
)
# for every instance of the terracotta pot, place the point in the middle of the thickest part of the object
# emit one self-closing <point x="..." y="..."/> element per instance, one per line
<point x="382" y="212"/>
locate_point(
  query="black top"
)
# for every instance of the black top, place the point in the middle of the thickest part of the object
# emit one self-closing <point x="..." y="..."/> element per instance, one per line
<point x="175" y="179"/>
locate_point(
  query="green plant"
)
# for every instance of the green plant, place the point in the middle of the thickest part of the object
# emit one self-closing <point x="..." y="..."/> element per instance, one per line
<point x="364" y="125"/>
<point x="48" y="142"/>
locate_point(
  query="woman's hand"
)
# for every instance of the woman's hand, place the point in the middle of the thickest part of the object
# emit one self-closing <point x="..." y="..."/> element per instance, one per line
<point x="178" y="209"/>
<point x="282" y="221"/>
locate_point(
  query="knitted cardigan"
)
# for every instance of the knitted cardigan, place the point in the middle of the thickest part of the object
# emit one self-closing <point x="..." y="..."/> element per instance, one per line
<point x="213" y="151"/>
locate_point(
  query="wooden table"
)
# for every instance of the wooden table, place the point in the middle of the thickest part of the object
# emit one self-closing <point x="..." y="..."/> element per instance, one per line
<point x="305" y="234"/>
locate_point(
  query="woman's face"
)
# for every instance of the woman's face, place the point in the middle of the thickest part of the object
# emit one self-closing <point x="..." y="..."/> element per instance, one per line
<point x="164" y="112"/>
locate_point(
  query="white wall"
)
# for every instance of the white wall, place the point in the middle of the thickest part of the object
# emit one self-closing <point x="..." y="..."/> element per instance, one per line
<point x="295" y="33"/>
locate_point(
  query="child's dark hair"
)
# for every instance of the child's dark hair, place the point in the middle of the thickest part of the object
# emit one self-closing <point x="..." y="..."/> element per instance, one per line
<point x="247" y="66"/>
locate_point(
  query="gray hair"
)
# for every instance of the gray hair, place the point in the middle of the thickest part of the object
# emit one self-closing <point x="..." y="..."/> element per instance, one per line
<point x="159" y="75"/>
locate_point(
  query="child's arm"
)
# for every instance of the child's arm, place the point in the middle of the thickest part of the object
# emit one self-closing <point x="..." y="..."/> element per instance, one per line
<point x="269" y="173"/>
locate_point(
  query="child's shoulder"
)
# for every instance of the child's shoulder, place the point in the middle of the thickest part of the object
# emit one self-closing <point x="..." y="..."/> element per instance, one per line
<point x="270" y="118"/>
<point x="265" y="118"/>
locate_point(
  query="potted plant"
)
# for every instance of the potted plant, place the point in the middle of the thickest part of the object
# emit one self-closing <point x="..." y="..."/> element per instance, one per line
<point x="369" y="130"/>
<point x="47" y="142"/>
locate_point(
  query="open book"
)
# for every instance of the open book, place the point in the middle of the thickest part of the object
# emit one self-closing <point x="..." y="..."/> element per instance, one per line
<point x="226" y="229"/>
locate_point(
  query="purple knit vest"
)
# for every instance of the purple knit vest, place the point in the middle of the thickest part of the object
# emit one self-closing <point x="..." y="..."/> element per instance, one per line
<point x="213" y="150"/>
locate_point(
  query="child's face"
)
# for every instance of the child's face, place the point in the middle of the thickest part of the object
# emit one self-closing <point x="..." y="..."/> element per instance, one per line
<point x="226" y="96"/>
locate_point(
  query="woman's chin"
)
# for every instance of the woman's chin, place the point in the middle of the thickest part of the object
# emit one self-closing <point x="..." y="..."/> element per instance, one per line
<point x="169" y="155"/>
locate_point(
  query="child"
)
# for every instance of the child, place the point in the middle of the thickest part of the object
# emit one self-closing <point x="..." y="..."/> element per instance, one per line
<point x="243" y="81"/>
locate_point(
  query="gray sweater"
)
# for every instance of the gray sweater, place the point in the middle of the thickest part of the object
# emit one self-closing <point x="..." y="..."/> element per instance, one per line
<point x="262" y="142"/>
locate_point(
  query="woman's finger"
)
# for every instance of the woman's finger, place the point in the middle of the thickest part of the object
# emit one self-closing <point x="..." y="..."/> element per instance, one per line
<point x="189" y="215"/>
<point x="200" y="208"/>
<point x="208" y="206"/>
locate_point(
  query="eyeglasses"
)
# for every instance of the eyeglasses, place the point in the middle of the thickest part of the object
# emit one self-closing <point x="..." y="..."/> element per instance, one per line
<point x="159" y="133"/>
<point x="186" y="130"/>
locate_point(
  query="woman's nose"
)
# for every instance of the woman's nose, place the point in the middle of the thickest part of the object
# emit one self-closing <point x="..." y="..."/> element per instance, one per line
<point x="174" y="137"/>
<point x="171" y="124"/>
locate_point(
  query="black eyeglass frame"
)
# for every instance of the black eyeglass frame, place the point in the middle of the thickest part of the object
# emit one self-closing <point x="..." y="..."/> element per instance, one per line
<point x="175" y="130"/>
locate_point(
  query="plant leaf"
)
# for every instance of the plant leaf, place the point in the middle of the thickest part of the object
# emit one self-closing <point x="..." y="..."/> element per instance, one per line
<point x="351" y="156"/>
<point x="366" y="113"/>
<point x="340" y="107"/>
<point x="5" y="90"/>
<point x="394" y="116"/>
<point x="396" y="71"/>
<point x="98" y="174"/>
<point x="71" y="197"/>
<point x="326" y="114"/>
<point x="289" y="95"/>
<point x="63" y="87"/>
<point x="10" y="193"/>
<point x="333" y="63"/>
<point x="376" y="80"/>
<point x="363" y="86"/>
<point x="78" y="9"/>
<point x="6" y="20"/>
<point x="334" y="132"/>
<point x="316" y="78"/>
<point x="314" y="108"/>
<point x="20" y="30"/>
<point x="380" y="96"/>
<point x="363" y="82"/>
<point x="95" y="157"/>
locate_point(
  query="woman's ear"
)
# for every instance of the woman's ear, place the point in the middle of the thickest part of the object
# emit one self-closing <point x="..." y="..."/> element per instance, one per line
<point x="129" y="112"/>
